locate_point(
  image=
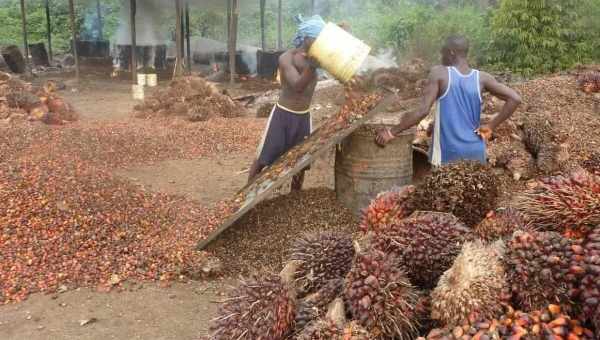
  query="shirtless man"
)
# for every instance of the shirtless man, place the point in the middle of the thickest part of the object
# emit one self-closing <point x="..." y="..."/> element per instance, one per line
<point x="290" y="120"/>
<point x="456" y="88"/>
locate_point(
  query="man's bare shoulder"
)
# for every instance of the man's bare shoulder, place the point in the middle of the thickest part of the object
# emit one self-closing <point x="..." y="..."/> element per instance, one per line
<point x="286" y="58"/>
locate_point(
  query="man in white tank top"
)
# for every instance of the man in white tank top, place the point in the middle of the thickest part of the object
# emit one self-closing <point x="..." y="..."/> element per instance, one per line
<point x="456" y="88"/>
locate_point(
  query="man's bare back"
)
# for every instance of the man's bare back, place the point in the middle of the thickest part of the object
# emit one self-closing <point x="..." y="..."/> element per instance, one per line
<point x="298" y="80"/>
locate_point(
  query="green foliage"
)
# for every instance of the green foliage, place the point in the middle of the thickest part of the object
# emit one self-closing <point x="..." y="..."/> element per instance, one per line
<point x="536" y="36"/>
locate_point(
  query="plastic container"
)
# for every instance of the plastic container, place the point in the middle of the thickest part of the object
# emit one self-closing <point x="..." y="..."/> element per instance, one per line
<point x="338" y="52"/>
<point x="151" y="79"/>
<point x="138" y="92"/>
<point x="141" y="79"/>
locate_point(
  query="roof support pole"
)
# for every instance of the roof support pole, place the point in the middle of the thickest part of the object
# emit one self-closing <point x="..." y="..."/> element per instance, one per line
<point x="133" y="63"/>
<point x="280" y="25"/>
<point x="25" y="42"/>
<point x="74" y="37"/>
<point x="48" y="29"/>
<point x="178" y="71"/>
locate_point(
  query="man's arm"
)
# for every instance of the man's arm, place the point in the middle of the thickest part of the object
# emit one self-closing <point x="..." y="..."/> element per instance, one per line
<point x="430" y="95"/>
<point x="298" y="81"/>
<point x="511" y="99"/>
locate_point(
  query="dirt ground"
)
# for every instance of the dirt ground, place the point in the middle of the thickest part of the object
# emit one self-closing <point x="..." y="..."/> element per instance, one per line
<point x="146" y="311"/>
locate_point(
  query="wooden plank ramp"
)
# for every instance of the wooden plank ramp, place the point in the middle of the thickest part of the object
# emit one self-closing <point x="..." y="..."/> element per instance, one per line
<point x="262" y="187"/>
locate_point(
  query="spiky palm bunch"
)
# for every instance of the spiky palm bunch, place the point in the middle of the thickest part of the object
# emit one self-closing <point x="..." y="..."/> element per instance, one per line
<point x="543" y="267"/>
<point x="261" y="307"/>
<point x="427" y="243"/>
<point x="325" y="329"/>
<point x="501" y="224"/>
<point x="589" y="82"/>
<point x="386" y="208"/>
<point x="468" y="190"/>
<point x="321" y="257"/>
<point x="544" y="142"/>
<point x="544" y="324"/>
<point x="592" y="163"/>
<point x="314" y="306"/>
<point x="566" y="204"/>
<point x="476" y="283"/>
<point x="589" y="294"/>
<point x="380" y="296"/>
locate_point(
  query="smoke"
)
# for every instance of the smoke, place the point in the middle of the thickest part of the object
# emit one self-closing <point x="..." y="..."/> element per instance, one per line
<point x="147" y="24"/>
<point x="384" y="59"/>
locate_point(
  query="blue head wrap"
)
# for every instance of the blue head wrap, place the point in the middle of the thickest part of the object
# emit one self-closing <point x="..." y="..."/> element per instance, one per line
<point x="308" y="28"/>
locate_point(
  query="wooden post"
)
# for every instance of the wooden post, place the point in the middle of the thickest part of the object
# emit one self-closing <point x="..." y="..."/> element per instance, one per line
<point x="74" y="37"/>
<point x="25" y="42"/>
<point x="100" y="23"/>
<point x="235" y="11"/>
<point x="188" y="38"/>
<point x="228" y="19"/>
<point x="280" y="25"/>
<point x="133" y="63"/>
<point x="49" y="29"/>
<point x="178" y="71"/>
<point x="262" y="25"/>
<point x="313" y="8"/>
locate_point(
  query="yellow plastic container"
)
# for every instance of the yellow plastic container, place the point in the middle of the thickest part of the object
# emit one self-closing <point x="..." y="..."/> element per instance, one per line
<point x="151" y="79"/>
<point x="338" y="52"/>
<point x="138" y="92"/>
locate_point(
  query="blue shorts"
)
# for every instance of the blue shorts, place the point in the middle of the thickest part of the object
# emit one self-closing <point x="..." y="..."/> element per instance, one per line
<point x="284" y="131"/>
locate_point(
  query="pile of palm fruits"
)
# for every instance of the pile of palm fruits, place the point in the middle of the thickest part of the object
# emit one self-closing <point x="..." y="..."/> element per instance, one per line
<point x="445" y="269"/>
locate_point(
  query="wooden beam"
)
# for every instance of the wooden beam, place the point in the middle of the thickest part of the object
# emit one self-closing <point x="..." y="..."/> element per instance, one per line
<point x="235" y="11"/>
<point x="262" y="25"/>
<point x="74" y="37"/>
<point x="25" y="40"/>
<point x="313" y="7"/>
<point x="188" y="38"/>
<point x="100" y="22"/>
<point x="49" y="29"/>
<point x="133" y="63"/>
<point x="178" y="71"/>
<point x="280" y="25"/>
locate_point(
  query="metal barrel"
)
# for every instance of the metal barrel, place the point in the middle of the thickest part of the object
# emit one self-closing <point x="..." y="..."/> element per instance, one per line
<point x="363" y="169"/>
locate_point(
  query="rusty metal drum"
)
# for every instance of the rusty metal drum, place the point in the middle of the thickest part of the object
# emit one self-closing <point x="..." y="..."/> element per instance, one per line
<point x="363" y="169"/>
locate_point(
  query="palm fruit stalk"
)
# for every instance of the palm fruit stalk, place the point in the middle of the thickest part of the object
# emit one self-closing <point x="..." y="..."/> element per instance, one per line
<point x="544" y="142"/>
<point x="321" y="257"/>
<point x="549" y="323"/>
<point x="261" y="307"/>
<point x="589" y="82"/>
<point x="569" y="205"/>
<point x="386" y="208"/>
<point x="314" y="306"/>
<point x="427" y="243"/>
<point x="501" y="224"/>
<point x="380" y="297"/>
<point x="468" y="190"/>
<point x="325" y="329"/>
<point x="476" y="283"/>
<point x="543" y="267"/>
<point x="589" y="294"/>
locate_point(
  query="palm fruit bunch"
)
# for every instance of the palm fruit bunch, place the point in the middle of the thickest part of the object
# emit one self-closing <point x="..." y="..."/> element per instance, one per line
<point x="501" y="224"/>
<point x="314" y="306"/>
<point x="566" y="204"/>
<point x="380" y="297"/>
<point x="592" y="163"/>
<point x="543" y="267"/>
<point x="426" y="243"/>
<point x="321" y="257"/>
<point x="476" y="283"/>
<point x="261" y="307"/>
<point x="548" y="323"/>
<point x="468" y="190"/>
<point x="326" y="329"/>
<point x="387" y="207"/>
<point x="589" y="294"/>
<point x="589" y="82"/>
<point x="197" y="112"/>
<point x="544" y="142"/>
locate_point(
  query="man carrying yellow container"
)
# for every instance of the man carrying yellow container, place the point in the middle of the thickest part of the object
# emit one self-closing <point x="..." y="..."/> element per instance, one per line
<point x="290" y="120"/>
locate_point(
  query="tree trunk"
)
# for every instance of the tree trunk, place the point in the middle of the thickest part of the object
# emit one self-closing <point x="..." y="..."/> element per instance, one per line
<point x="280" y="25"/>
<point x="100" y="23"/>
<point x="233" y="39"/>
<point x="49" y="30"/>
<point x="25" y="42"/>
<point x="187" y="36"/>
<point x="74" y="37"/>
<point x="178" y="72"/>
<point x="262" y="25"/>
<point x="133" y="63"/>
